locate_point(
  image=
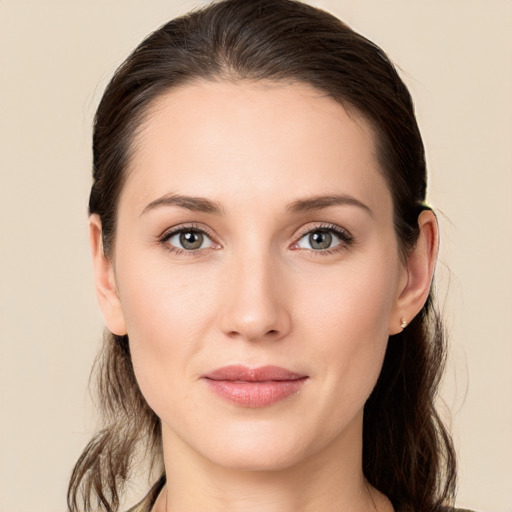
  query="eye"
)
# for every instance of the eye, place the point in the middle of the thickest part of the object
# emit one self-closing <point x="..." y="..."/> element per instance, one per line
<point x="324" y="239"/>
<point x="187" y="239"/>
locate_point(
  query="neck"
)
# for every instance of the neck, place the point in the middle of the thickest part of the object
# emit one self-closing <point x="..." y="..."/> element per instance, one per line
<point x="330" y="480"/>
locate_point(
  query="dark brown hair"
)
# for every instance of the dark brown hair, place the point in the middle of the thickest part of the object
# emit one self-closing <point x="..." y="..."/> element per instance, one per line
<point x="407" y="453"/>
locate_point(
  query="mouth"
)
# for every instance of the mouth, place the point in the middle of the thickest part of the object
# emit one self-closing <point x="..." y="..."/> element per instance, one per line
<point x="254" y="387"/>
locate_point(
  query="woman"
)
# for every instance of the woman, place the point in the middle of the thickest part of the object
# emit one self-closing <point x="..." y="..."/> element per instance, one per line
<point x="263" y="258"/>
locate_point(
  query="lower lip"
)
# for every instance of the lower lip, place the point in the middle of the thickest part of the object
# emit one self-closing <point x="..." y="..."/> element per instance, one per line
<point x="256" y="394"/>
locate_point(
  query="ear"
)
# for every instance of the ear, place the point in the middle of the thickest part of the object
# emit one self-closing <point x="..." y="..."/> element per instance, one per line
<point x="104" y="278"/>
<point x="419" y="271"/>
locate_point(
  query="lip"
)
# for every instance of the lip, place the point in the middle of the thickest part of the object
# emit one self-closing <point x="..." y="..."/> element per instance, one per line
<point x="254" y="387"/>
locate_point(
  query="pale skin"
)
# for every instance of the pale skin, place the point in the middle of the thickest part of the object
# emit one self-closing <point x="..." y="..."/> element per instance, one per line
<point x="255" y="291"/>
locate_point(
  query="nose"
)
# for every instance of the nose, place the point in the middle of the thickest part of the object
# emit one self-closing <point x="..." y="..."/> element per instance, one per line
<point x="253" y="303"/>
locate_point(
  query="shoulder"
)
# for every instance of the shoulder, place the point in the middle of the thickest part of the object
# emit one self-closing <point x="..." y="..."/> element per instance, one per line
<point x="454" y="509"/>
<point x="136" y="508"/>
<point x="149" y="500"/>
<point x="143" y="506"/>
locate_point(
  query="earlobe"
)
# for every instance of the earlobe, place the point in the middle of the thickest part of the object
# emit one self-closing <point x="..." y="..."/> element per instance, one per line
<point x="104" y="279"/>
<point x="419" y="273"/>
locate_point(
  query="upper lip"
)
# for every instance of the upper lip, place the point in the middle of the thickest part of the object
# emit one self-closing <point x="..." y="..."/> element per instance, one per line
<point x="246" y="374"/>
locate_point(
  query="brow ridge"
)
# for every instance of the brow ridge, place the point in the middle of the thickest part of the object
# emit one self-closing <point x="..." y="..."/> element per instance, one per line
<point x="193" y="203"/>
<point x="202" y="204"/>
<point x="325" y="201"/>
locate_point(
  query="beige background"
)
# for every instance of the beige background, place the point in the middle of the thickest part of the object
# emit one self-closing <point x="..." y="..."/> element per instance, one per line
<point x="55" y="59"/>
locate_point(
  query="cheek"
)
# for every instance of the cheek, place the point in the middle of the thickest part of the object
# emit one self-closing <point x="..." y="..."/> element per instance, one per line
<point x="166" y="321"/>
<point x="349" y="319"/>
<point x="352" y="302"/>
<point x="162" y="302"/>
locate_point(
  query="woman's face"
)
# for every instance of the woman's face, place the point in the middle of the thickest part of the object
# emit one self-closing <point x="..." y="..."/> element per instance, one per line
<point x="255" y="229"/>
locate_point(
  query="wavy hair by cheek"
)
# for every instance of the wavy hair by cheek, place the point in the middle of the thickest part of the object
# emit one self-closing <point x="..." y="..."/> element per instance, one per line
<point x="407" y="452"/>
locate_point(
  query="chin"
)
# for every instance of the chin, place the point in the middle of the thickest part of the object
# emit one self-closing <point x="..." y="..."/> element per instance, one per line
<point x="258" y="448"/>
<point x="259" y="458"/>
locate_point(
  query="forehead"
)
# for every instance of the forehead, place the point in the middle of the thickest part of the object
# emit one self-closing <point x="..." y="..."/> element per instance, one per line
<point x="253" y="141"/>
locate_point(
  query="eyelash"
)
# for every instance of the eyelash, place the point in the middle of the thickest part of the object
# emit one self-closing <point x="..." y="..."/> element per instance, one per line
<point x="184" y="229"/>
<point x="346" y="239"/>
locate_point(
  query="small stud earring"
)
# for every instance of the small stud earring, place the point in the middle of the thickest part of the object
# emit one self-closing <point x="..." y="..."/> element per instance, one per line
<point x="403" y="323"/>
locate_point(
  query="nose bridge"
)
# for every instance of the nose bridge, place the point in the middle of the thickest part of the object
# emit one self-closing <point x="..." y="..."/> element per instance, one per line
<point x="255" y="290"/>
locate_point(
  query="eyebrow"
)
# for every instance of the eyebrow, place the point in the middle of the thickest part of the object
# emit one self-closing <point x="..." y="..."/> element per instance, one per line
<point x="196" y="204"/>
<point x="326" y="201"/>
<point x="201" y="204"/>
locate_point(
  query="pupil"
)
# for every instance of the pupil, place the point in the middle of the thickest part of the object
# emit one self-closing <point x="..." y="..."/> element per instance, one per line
<point x="191" y="239"/>
<point x="320" y="240"/>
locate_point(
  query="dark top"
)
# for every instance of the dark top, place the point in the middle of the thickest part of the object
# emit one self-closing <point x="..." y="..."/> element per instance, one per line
<point x="149" y="500"/>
